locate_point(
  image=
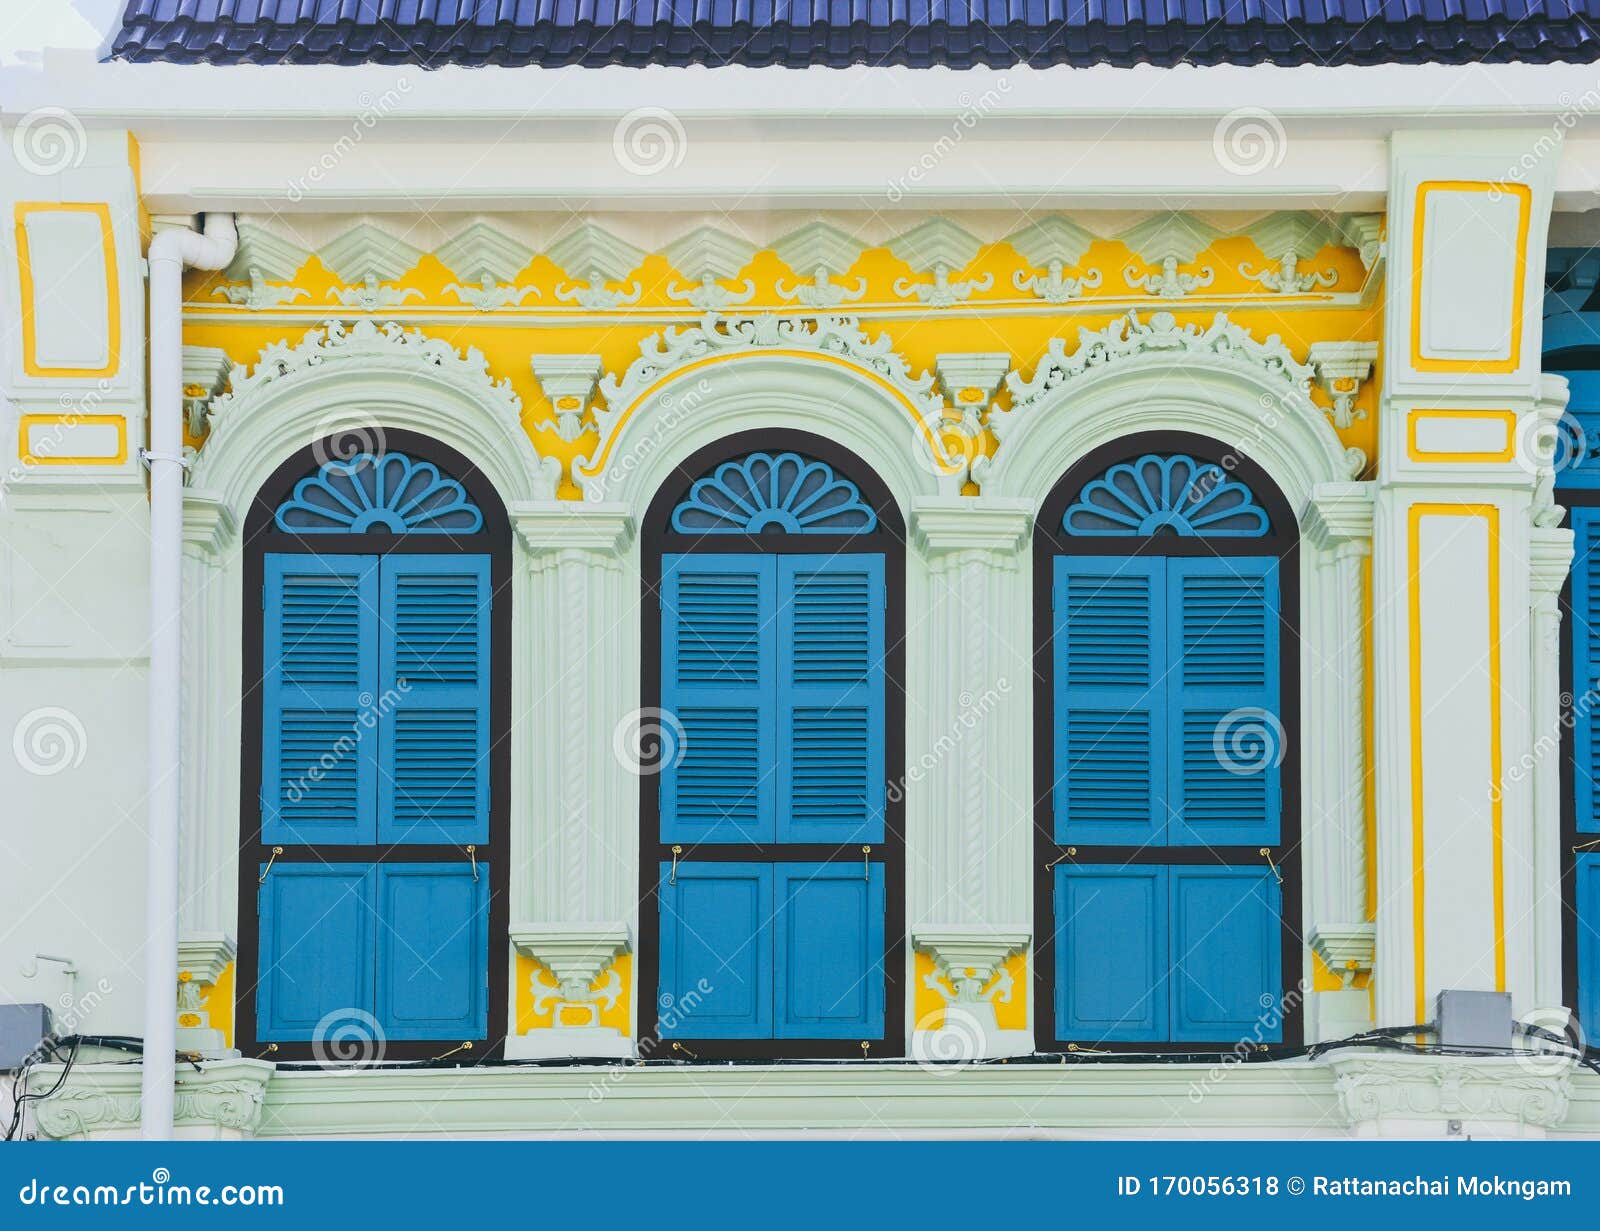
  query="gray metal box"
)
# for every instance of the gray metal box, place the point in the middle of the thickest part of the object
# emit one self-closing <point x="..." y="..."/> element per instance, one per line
<point x="22" y="1026"/>
<point x="1474" y="1019"/>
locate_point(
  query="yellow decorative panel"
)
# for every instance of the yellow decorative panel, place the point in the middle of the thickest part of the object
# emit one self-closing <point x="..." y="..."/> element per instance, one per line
<point x="617" y="1017"/>
<point x="42" y="273"/>
<point x="72" y="440"/>
<point x="1437" y="270"/>
<point x="927" y="1006"/>
<point x="1475" y="436"/>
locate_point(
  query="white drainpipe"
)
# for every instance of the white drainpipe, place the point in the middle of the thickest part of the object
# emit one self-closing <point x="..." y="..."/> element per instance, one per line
<point x="170" y="251"/>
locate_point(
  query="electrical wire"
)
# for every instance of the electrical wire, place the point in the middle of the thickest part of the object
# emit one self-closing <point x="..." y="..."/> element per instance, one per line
<point x="23" y="1096"/>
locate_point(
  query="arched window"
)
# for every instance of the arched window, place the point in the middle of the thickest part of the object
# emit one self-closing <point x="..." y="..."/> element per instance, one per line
<point x="1166" y="802"/>
<point x="771" y="875"/>
<point x="1572" y="349"/>
<point x="373" y="861"/>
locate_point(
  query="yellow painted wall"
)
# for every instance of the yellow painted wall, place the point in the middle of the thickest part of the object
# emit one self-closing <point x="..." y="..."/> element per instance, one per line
<point x="217" y="1000"/>
<point x="919" y="334"/>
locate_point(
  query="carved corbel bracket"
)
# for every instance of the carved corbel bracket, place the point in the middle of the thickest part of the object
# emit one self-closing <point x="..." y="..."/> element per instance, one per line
<point x="1341" y="367"/>
<point x="549" y="528"/>
<point x="1339" y="517"/>
<point x="569" y="382"/>
<point x="971" y="958"/>
<point x="576" y="954"/>
<point x="997" y="529"/>
<point x="1346" y="949"/>
<point x="205" y="374"/>
<point x="202" y="957"/>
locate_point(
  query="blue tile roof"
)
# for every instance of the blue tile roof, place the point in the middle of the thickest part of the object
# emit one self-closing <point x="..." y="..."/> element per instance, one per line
<point x="956" y="33"/>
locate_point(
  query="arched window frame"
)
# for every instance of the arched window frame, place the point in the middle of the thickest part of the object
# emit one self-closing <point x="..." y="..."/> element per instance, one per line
<point x="1050" y="543"/>
<point x="1578" y="490"/>
<point x="659" y="540"/>
<point x="263" y="536"/>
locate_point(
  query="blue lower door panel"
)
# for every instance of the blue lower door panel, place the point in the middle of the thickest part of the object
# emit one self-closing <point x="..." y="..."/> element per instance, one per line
<point x="1226" y="955"/>
<point x="316" y="950"/>
<point x="830" y="975"/>
<point x="716" y="951"/>
<point x="1111" y="953"/>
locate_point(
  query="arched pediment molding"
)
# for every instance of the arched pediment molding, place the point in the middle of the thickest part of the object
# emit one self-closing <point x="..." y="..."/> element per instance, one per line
<point x="351" y="384"/>
<point x="1135" y="376"/>
<point x="691" y="387"/>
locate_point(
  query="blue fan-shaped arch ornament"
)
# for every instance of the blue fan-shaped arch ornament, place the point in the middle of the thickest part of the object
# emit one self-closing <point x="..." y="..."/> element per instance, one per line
<point x="378" y="492"/>
<point x="1166" y="494"/>
<point x="765" y="492"/>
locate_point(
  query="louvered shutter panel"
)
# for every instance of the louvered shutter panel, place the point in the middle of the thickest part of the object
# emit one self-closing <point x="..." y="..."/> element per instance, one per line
<point x="1110" y="694"/>
<point x="319" y="669"/>
<point x="1579" y="452"/>
<point x="1585" y="634"/>
<point x="716" y="951"/>
<point x="1225" y="738"/>
<point x="433" y="950"/>
<point x="830" y="699"/>
<point x="1586" y="897"/>
<point x="718" y="679"/>
<point x="829" y="951"/>
<point x="1111" y="953"/>
<point x="1227" y="979"/>
<point x="433" y="701"/>
<point x="316" y="948"/>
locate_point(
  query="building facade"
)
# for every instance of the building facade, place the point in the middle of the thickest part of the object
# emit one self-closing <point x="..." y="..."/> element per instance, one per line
<point x="796" y="589"/>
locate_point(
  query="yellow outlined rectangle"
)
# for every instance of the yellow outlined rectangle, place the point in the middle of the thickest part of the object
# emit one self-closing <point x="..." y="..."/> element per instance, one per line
<point x="29" y="458"/>
<point x="1416" y="453"/>
<point x="30" y="361"/>
<point x="1491" y="515"/>
<point x="1524" y="196"/>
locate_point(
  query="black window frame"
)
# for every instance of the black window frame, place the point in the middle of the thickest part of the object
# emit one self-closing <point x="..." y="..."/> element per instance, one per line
<point x="1051" y="541"/>
<point x="886" y="539"/>
<point x="262" y="536"/>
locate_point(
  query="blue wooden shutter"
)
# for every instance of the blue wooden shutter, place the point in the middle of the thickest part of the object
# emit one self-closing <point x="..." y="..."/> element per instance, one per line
<point x="1223" y="731"/>
<point x="829" y="942"/>
<point x="432" y="950"/>
<point x="1110" y="696"/>
<point x="830" y="706"/>
<point x="718" y="680"/>
<point x="1587" y="900"/>
<point x="316" y="947"/>
<point x="1111" y="953"/>
<point x="716" y="951"/>
<point x="1226" y="946"/>
<point x="319" y="669"/>
<point x="1578" y="456"/>
<point x="1586" y="666"/>
<point x="433" y="700"/>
